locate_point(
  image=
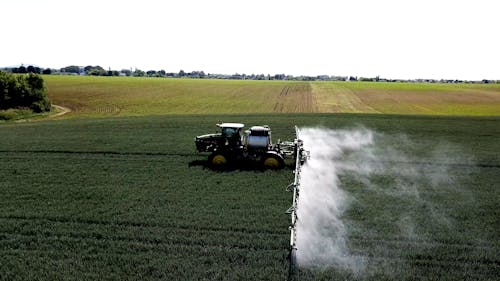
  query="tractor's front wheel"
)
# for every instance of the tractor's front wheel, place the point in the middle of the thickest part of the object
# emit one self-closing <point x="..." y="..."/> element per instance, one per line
<point x="218" y="160"/>
<point x="273" y="162"/>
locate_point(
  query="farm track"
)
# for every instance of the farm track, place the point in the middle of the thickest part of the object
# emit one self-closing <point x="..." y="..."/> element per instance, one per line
<point x="64" y="111"/>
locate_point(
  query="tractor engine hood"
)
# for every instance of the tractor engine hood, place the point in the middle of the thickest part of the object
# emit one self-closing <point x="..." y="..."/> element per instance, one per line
<point x="208" y="142"/>
<point x="208" y="136"/>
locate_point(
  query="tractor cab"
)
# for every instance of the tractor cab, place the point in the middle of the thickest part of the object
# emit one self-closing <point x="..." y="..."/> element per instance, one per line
<point x="231" y="133"/>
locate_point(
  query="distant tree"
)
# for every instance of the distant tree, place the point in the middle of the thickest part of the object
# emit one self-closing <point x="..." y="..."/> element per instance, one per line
<point x="236" y="76"/>
<point x="279" y="77"/>
<point x="47" y="71"/>
<point x="71" y="69"/>
<point x="22" y="69"/>
<point x="260" y="77"/>
<point x="151" y="73"/>
<point x="196" y="74"/>
<point x="365" y="79"/>
<point x="95" y="71"/>
<point x="126" y="72"/>
<point x="182" y="73"/>
<point x="33" y="69"/>
<point x="139" y="73"/>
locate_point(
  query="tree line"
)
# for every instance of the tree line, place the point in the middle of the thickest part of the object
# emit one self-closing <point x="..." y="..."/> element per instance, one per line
<point x="29" y="69"/>
<point x="100" y="71"/>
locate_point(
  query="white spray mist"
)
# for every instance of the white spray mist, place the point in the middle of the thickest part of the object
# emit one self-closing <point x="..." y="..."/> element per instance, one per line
<point x="360" y="154"/>
<point x="321" y="233"/>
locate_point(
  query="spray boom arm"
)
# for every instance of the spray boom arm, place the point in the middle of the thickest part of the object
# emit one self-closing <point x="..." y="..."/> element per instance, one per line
<point x="301" y="156"/>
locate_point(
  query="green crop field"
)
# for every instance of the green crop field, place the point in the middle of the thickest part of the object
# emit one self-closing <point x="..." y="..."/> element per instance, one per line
<point x="122" y="96"/>
<point x="127" y="198"/>
<point x="119" y="96"/>
<point x="410" y="98"/>
<point x="114" y="189"/>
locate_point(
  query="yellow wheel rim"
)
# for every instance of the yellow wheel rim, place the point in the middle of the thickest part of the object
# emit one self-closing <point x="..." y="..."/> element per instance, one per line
<point x="219" y="160"/>
<point x="271" y="162"/>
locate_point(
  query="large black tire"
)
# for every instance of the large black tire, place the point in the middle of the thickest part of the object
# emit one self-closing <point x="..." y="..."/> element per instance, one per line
<point x="218" y="160"/>
<point x="273" y="162"/>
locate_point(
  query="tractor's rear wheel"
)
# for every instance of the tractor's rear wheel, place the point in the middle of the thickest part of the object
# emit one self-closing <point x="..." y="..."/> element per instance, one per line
<point x="273" y="162"/>
<point x="218" y="160"/>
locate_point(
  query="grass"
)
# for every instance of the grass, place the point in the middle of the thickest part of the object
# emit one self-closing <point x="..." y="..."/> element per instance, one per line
<point x="15" y="114"/>
<point x="127" y="198"/>
<point x="128" y="96"/>
<point x="21" y="115"/>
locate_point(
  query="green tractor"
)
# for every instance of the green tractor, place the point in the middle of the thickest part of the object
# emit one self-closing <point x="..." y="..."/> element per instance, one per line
<point x="234" y="146"/>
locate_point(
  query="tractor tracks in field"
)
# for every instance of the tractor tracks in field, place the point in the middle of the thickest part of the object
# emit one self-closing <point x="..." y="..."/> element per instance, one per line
<point x="407" y="242"/>
<point x="85" y="221"/>
<point x="99" y="152"/>
<point x="173" y="234"/>
<point x="147" y="244"/>
<point x="164" y="236"/>
<point x="396" y="249"/>
<point x="295" y="98"/>
<point x="195" y="154"/>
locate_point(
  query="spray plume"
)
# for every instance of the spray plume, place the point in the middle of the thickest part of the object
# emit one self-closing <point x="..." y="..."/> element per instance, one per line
<point x="409" y="171"/>
<point x="322" y="235"/>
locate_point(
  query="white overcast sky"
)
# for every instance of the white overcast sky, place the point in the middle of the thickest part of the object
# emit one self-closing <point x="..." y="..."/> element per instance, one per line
<point x="391" y="38"/>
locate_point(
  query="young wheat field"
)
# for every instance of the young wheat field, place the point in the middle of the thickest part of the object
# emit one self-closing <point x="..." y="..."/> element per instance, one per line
<point x="114" y="190"/>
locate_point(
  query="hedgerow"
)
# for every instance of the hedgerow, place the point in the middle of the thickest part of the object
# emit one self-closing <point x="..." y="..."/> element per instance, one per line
<point x="23" y="91"/>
